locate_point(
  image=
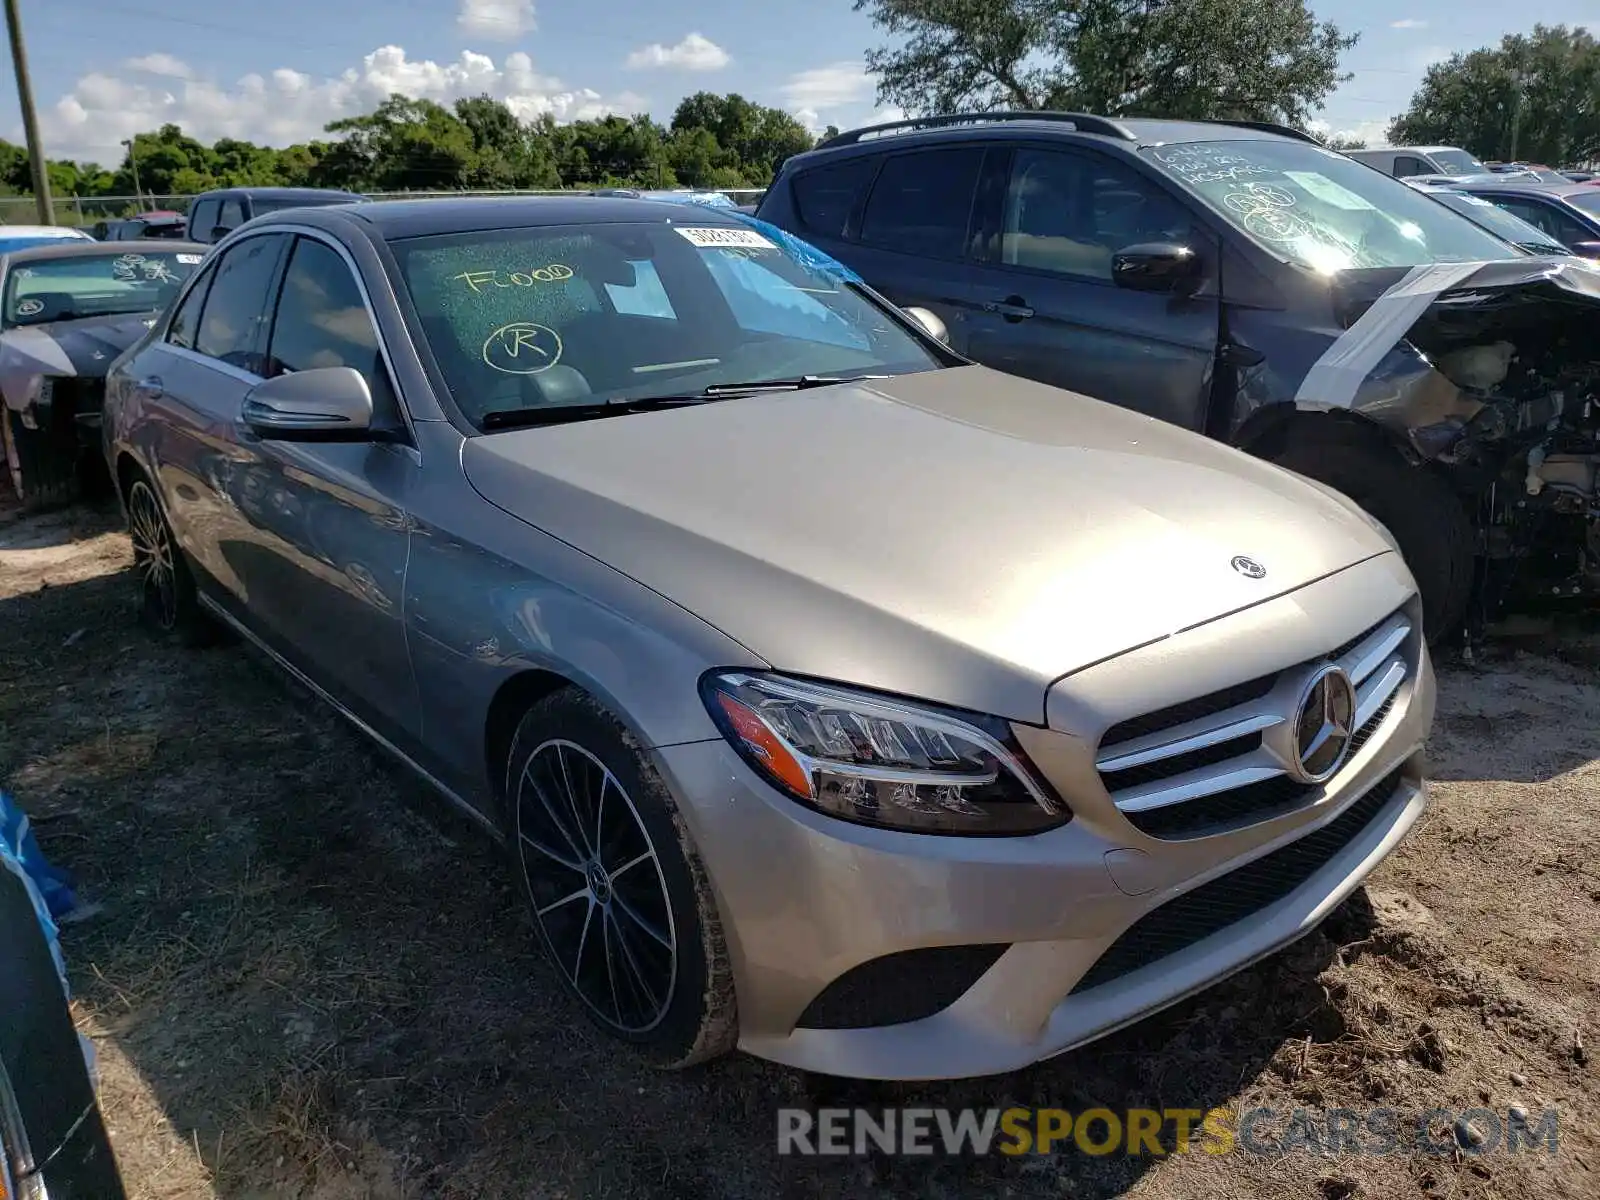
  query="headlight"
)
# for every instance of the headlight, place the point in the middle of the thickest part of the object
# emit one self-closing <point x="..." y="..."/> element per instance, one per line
<point x="878" y="762"/>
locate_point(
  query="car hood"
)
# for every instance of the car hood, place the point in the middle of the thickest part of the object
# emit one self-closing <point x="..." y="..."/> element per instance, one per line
<point x="959" y="535"/>
<point x="83" y="347"/>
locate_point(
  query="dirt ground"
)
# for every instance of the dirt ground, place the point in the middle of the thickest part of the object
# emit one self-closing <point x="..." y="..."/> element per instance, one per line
<point x="306" y="978"/>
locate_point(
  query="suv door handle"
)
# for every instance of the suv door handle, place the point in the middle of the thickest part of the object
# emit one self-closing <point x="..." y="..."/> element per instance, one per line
<point x="1012" y="308"/>
<point x="150" y="386"/>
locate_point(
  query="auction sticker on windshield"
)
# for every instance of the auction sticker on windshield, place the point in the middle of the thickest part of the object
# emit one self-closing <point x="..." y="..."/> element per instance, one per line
<point x="716" y="238"/>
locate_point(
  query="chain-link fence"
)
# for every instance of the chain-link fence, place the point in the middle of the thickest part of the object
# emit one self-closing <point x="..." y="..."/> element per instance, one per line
<point x="85" y="211"/>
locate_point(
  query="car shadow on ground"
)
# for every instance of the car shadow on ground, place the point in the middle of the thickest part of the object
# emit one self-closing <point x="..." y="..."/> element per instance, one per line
<point x="313" y="971"/>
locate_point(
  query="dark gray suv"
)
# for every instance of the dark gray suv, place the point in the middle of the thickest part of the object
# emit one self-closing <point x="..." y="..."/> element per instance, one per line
<point x="1244" y="281"/>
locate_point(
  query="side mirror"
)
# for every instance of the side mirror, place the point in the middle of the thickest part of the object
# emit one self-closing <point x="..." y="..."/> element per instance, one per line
<point x="930" y="324"/>
<point x="218" y="232"/>
<point x="1586" y="249"/>
<point x="1156" y="267"/>
<point x="323" y="404"/>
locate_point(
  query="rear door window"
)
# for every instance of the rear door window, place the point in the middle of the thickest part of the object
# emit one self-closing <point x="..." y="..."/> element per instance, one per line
<point x="825" y="197"/>
<point x="1405" y="166"/>
<point x="922" y="202"/>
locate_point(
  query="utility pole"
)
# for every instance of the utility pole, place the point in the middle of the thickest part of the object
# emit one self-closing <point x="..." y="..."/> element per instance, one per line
<point x="30" y="119"/>
<point x="133" y="162"/>
<point x="1517" y="79"/>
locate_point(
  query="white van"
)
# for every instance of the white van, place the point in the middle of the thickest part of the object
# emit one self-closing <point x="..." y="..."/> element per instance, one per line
<point x="1405" y="161"/>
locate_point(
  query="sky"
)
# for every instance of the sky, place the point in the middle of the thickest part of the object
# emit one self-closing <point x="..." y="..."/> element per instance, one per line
<point x="277" y="72"/>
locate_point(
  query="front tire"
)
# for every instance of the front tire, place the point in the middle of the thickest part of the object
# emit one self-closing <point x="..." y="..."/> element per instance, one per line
<point x="41" y="464"/>
<point x="1415" y="504"/>
<point x="167" y="600"/>
<point x="620" y="898"/>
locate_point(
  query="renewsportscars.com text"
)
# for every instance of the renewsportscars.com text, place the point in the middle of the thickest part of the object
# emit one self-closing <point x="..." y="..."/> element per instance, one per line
<point x="1156" y="1132"/>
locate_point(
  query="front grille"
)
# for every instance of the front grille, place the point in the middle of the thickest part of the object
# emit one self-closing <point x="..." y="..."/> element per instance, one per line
<point x="1212" y="907"/>
<point x="1203" y="766"/>
<point x="905" y="986"/>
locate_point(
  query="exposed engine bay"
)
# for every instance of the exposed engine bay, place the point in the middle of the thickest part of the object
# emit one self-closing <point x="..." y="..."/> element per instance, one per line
<point x="1497" y="384"/>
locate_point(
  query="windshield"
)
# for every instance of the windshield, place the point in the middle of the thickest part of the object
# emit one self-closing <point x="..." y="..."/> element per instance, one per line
<point x="93" y="285"/>
<point x="1322" y="210"/>
<point x="1458" y="161"/>
<point x="1499" y="222"/>
<point x="585" y="314"/>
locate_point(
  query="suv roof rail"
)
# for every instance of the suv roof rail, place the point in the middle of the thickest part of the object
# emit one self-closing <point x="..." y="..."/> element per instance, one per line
<point x="1282" y="130"/>
<point x="1083" y="122"/>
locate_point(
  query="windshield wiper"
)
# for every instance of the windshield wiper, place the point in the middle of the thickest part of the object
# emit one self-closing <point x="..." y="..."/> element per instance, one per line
<point x="795" y="383"/>
<point x="563" y="414"/>
<point x="1542" y="248"/>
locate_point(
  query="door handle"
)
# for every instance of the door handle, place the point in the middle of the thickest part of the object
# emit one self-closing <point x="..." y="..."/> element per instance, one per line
<point x="150" y="386"/>
<point x="1012" y="308"/>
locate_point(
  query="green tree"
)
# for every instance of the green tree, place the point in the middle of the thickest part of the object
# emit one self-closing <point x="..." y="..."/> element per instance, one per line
<point x="1341" y="143"/>
<point x="404" y="144"/>
<point x="752" y="140"/>
<point x="161" y="156"/>
<point x="1243" y="59"/>
<point x="244" y="164"/>
<point x="509" y="154"/>
<point x="1534" y="97"/>
<point x="615" y="152"/>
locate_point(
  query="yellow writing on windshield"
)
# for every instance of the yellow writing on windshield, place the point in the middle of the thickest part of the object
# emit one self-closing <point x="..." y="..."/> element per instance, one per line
<point x="478" y="281"/>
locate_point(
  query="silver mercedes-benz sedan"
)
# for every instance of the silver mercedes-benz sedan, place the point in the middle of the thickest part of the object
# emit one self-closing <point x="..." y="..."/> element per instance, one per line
<point x="835" y="698"/>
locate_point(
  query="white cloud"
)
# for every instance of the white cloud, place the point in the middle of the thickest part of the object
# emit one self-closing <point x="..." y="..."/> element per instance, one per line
<point x="285" y="106"/>
<point x="833" y="86"/>
<point x="1373" y="133"/>
<point x="695" y="53"/>
<point x="500" y="19"/>
<point x="161" y="64"/>
<point x="1408" y="23"/>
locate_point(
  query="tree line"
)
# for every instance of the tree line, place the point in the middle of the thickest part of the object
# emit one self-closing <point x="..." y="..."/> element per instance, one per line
<point x="406" y="144"/>
<point x="1534" y="96"/>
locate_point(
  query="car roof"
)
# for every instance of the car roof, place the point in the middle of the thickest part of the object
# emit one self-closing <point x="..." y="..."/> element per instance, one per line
<point x="1532" y="187"/>
<point x="393" y="220"/>
<point x="72" y="248"/>
<point x="1404" y="149"/>
<point x="65" y="232"/>
<point x="1133" y="132"/>
<point x="279" y="193"/>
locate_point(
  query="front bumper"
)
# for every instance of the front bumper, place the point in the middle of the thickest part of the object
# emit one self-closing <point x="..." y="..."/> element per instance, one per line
<point x="806" y="900"/>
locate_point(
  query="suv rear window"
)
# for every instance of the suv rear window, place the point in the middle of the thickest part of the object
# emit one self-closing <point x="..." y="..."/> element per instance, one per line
<point x="922" y="202"/>
<point x="825" y="198"/>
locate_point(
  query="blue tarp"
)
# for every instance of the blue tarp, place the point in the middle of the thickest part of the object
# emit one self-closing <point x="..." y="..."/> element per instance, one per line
<point x="49" y="887"/>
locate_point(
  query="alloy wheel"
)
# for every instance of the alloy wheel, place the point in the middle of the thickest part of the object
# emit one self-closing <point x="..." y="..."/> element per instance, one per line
<point x="154" y="557"/>
<point x="596" y="885"/>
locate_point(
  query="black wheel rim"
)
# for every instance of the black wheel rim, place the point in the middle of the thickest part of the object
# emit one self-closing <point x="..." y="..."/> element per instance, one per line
<point x="595" y="881"/>
<point x="153" y="559"/>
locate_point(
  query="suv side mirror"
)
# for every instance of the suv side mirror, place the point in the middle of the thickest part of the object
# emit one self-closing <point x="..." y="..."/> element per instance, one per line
<point x="930" y="324"/>
<point x="1586" y="249"/>
<point x="323" y="404"/>
<point x="1156" y="267"/>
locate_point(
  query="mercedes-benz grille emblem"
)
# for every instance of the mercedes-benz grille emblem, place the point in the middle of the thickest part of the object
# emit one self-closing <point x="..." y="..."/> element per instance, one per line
<point x="1248" y="567"/>
<point x="1323" y="724"/>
